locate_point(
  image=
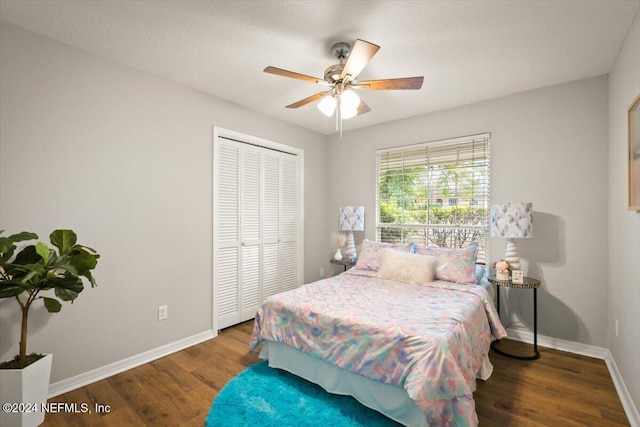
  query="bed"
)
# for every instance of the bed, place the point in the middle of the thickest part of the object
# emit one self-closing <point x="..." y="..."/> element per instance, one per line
<point x="409" y="349"/>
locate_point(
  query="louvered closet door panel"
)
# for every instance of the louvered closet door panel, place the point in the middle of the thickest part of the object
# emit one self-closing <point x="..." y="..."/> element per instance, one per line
<point x="251" y="231"/>
<point x="288" y="224"/>
<point x="250" y="278"/>
<point x="227" y="282"/>
<point x="251" y="176"/>
<point x="271" y="224"/>
<point x="288" y="204"/>
<point x="271" y="196"/>
<point x="228" y="193"/>
<point x="270" y="269"/>
<point x="226" y="234"/>
<point x="288" y="265"/>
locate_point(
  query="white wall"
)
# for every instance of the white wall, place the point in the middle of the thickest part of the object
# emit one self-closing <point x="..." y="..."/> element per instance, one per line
<point x="548" y="146"/>
<point x="125" y="159"/>
<point x="624" y="225"/>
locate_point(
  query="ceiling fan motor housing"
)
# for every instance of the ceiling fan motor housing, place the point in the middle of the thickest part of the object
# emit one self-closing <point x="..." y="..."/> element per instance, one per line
<point x="341" y="51"/>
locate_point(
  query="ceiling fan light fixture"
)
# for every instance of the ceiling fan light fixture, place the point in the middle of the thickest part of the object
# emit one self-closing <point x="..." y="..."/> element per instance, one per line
<point x="349" y="100"/>
<point x="347" y="113"/>
<point x="327" y="105"/>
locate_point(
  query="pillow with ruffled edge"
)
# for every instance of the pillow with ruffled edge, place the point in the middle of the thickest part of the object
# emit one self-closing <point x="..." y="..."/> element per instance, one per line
<point x="370" y="252"/>
<point x="406" y="267"/>
<point x="453" y="265"/>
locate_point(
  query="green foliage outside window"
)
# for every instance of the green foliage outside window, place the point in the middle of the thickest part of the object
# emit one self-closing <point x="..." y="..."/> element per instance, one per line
<point x="445" y="202"/>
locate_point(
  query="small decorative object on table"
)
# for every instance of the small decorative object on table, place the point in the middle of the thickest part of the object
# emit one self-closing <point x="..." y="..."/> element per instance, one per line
<point x="338" y="240"/>
<point x="517" y="277"/>
<point x="502" y="270"/>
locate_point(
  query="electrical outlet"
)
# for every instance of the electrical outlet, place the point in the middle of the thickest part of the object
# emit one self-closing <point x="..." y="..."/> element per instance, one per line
<point x="163" y="312"/>
<point x="615" y="327"/>
<point x="322" y="272"/>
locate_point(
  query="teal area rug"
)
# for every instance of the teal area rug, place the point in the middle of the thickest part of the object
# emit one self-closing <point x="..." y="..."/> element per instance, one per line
<point x="263" y="397"/>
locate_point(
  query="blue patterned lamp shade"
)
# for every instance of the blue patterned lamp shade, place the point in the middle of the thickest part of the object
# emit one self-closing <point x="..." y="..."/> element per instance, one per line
<point x="512" y="220"/>
<point x="352" y="218"/>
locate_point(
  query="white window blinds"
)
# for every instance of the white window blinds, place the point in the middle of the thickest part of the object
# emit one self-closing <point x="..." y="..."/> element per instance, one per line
<point x="435" y="194"/>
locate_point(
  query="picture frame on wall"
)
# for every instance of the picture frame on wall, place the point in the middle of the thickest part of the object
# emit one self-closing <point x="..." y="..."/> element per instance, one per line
<point x="634" y="154"/>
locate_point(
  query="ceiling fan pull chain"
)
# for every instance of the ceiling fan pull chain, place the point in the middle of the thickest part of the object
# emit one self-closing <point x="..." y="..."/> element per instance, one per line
<point x="339" y="116"/>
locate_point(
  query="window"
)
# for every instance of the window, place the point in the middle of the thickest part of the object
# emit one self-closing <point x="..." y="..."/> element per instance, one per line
<point x="414" y="180"/>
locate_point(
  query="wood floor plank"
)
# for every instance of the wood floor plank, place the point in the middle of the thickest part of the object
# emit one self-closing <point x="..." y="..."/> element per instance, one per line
<point x="559" y="389"/>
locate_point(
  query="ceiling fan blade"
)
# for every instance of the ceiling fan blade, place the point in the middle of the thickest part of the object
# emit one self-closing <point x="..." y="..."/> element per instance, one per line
<point x="360" y="55"/>
<point x="308" y="100"/>
<point x="390" y="84"/>
<point x="292" y="75"/>
<point x="363" y="108"/>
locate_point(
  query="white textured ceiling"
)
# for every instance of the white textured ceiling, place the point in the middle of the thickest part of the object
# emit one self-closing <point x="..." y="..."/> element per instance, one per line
<point x="467" y="50"/>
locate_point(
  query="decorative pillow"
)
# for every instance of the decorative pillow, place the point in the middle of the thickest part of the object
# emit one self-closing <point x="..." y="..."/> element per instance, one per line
<point x="407" y="267"/>
<point x="371" y="251"/>
<point x="453" y="265"/>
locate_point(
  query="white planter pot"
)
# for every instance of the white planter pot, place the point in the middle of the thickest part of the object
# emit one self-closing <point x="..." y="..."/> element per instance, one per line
<point x="28" y="386"/>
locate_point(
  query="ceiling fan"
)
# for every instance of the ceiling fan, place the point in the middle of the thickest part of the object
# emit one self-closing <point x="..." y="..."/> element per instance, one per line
<point x="341" y="78"/>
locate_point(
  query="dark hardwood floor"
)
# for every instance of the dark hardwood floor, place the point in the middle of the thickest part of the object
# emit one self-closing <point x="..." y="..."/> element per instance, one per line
<point x="559" y="389"/>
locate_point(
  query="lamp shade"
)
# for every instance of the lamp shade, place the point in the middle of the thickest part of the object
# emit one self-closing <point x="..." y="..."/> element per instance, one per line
<point x="512" y="220"/>
<point x="352" y="218"/>
<point x="327" y="105"/>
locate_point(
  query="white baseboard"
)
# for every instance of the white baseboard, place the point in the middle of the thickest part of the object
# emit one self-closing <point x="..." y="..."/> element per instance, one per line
<point x="558" y="344"/>
<point x="623" y="392"/>
<point x="590" y="351"/>
<point x="98" y="374"/>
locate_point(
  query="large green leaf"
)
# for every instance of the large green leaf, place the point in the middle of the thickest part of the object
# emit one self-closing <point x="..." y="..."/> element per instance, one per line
<point x="67" y="288"/>
<point x="26" y="268"/>
<point x="43" y="251"/>
<point x="63" y="240"/>
<point x="52" y="304"/>
<point x="82" y="260"/>
<point x="68" y="268"/>
<point x="5" y="244"/>
<point x="9" y="289"/>
<point x="6" y="256"/>
<point x="27" y="255"/>
<point x="25" y="235"/>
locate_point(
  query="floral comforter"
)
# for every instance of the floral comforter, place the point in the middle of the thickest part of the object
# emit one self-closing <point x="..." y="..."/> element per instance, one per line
<point x="429" y="339"/>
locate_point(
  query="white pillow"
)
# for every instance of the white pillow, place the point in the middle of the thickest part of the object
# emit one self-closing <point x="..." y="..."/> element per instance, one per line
<point x="407" y="267"/>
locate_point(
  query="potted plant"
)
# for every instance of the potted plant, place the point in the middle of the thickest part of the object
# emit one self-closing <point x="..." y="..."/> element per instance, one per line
<point x="25" y="275"/>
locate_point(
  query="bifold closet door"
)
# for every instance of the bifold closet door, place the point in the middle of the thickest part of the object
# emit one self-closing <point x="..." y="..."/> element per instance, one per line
<point x="256" y="227"/>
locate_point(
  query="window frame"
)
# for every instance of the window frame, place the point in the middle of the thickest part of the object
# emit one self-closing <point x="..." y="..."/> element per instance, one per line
<point x="433" y="200"/>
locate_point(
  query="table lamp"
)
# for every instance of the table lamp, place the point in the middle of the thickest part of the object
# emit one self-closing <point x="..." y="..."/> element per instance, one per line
<point x="512" y="221"/>
<point x="351" y="219"/>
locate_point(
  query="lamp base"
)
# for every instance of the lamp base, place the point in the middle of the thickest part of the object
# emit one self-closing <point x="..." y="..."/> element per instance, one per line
<point x="350" y="253"/>
<point x="511" y="255"/>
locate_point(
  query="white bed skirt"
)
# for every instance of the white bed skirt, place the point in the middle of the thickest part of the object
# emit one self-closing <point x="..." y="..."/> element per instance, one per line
<point x="390" y="400"/>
